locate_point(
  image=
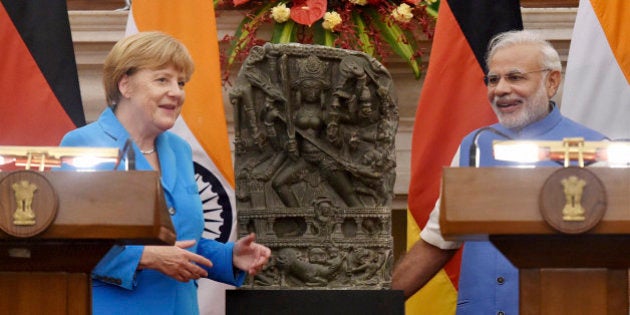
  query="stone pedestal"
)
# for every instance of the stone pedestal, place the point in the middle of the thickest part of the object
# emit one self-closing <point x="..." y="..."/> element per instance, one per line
<point x="315" y="302"/>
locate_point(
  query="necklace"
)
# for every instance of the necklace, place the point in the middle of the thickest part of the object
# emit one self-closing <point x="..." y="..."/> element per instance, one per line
<point x="147" y="152"/>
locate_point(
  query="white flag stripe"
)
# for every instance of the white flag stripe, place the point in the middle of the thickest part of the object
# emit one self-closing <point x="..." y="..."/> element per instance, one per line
<point x="131" y="27"/>
<point x="200" y="157"/>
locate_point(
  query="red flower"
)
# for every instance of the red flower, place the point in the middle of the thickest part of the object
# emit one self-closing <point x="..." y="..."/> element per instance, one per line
<point x="306" y="12"/>
<point x="239" y="2"/>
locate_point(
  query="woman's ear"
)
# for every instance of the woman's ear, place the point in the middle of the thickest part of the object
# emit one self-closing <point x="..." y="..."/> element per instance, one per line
<point x="124" y="86"/>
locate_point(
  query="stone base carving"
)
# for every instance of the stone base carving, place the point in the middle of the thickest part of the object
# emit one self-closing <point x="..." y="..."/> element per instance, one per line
<point x="352" y="248"/>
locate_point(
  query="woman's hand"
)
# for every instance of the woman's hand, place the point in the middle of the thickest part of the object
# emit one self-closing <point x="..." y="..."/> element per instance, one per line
<point x="249" y="255"/>
<point x="175" y="261"/>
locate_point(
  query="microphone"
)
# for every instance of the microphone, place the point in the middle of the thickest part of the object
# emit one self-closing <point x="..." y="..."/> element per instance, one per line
<point x="130" y="156"/>
<point x="130" y="161"/>
<point x="473" y="155"/>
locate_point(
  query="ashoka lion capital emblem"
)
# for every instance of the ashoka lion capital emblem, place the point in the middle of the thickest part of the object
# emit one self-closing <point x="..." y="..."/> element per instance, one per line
<point x="24" y="193"/>
<point x="573" y="190"/>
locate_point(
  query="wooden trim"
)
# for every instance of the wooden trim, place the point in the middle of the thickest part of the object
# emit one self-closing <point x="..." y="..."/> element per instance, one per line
<point x="549" y="3"/>
<point x="95" y="4"/>
<point x="117" y="4"/>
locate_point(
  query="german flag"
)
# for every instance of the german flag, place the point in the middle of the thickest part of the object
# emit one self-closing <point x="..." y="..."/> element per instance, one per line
<point x="453" y="103"/>
<point x="39" y="87"/>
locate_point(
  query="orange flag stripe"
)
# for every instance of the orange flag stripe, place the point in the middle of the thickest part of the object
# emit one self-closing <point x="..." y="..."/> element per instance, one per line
<point x="614" y="16"/>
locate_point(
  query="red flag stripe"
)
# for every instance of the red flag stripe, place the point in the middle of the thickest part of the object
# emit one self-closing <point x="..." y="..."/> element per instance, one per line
<point x="30" y="113"/>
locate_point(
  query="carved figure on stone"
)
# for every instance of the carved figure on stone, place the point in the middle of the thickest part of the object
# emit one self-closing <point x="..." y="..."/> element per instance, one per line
<point x="325" y="218"/>
<point x="306" y="146"/>
<point x="363" y="265"/>
<point x="289" y="260"/>
<point x="268" y="276"/>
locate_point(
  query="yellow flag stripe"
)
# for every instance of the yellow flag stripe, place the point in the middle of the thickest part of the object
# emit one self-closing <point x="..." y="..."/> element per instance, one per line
<point x="438" y="296"/>
<point x="193" y="22"/>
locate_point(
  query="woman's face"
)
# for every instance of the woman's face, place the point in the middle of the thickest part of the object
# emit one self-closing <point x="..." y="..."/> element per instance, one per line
<point x="311" y="90"/>
<point x="155" y="96"/>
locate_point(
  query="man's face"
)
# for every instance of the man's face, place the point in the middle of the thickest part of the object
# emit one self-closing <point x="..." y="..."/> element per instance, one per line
<point x="519" y="88"/>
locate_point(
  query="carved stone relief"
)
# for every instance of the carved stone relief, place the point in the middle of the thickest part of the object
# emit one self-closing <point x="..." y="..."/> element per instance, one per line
<point x="315" y="165"/>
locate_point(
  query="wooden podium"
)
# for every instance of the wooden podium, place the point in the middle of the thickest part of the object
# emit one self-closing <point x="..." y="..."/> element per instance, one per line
<point x="49" y="272"/>
<point x="560" y="273"/>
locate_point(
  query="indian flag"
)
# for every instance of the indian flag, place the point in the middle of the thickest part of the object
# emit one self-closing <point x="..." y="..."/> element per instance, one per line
<point x="596" y="89"/>
<point x="202" y="122"/>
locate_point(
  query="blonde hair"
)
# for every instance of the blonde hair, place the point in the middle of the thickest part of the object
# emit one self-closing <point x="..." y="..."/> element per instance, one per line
<point x="144" y="50"/>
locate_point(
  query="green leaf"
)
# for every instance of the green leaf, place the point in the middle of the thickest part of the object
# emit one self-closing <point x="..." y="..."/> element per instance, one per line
<point x="284" y="32"/>
<point x="241" y="36"/>
<point x="359" y="24"/>
<point x="432" y="9"/>
<point x="322" y="36"/>
<point x="396" y="38"/>
<point x="329" y="38"/>
<point x="432" y="12"/>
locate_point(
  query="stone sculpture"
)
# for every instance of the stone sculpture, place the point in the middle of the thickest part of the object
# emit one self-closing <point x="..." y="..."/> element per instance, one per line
<point x="315" y="165"/>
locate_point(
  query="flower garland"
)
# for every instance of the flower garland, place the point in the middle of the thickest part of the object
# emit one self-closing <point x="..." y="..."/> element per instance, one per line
<point x="376" y="27"/>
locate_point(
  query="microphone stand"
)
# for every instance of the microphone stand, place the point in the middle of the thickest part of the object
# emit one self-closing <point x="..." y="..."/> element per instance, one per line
<point x="473" y="154"/>
<point x="130" y="156"/>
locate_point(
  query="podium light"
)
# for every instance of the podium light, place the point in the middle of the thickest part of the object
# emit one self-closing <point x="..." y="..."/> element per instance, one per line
<point x="618" y="154"/>
<point x="614" y="153"/>
<point x="520" y="151"/>
<point x="42" y="157"/>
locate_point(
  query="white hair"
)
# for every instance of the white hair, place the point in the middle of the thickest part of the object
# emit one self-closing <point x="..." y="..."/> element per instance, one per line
<point x="550" y="58"/>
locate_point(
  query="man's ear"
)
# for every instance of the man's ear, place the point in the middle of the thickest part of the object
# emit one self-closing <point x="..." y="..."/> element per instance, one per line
<point x="553" y="82"/>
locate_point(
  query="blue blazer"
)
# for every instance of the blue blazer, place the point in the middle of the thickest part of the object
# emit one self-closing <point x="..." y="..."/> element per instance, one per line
<point x="117" y="287"/>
